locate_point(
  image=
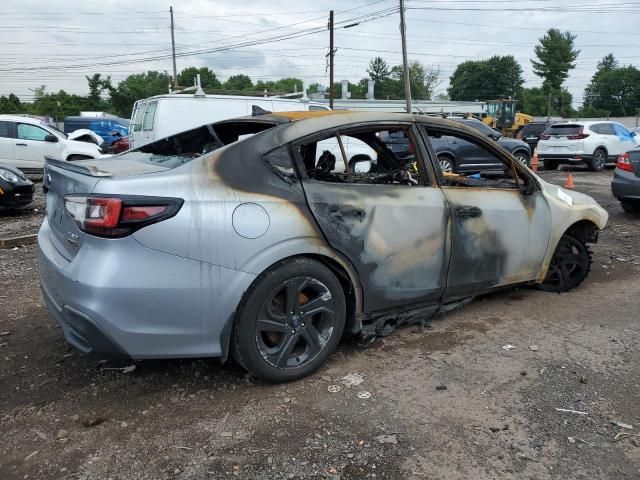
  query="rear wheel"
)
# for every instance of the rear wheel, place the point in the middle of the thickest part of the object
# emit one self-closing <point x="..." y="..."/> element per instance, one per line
<point x="570" y="265"/>
<point x="551" y="164"/>
<point x="522" y="157"/>
<point x="446" y="164"/>
<point x="599" y="160"/>
<point x="630" y="207"/>
<point x="290" y="321"/>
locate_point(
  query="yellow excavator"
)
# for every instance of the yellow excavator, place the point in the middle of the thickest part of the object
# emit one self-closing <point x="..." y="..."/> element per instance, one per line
<point x="502" y="115"/>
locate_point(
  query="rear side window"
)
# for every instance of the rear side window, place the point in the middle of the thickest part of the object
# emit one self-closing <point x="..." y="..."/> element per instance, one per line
<point x="606" y="129"/>
<point x="595" y="128"/>
<point x="564" y="130"/>
<point x="149" y="116"/>
<point x="5" y="130"/>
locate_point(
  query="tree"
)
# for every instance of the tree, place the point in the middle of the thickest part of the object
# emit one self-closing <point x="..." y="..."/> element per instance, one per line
<point x="494" y="78"/>
<point x="423" y="81"/>
<point x="11" y="104"/>
<point x="556" y="55"/>
<point x="613" y="90"/>
<point x="238" y="82"/>
<point x="136" y="87"/>
<point x="535" y="101"/>
<point x="97" y="87"/>
<point x="378" y="69"/>
<point x="208" y="79"/>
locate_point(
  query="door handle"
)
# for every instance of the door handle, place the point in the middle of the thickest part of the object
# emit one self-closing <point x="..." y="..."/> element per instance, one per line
<point x="21" y="144"/>
<point x="468" y="212"/>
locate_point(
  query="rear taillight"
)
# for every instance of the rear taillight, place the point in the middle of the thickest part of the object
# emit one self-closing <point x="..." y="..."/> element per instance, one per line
<point x="579" y="136"/>
<point x="623" y="163"/>
<point x="118" y="216"/>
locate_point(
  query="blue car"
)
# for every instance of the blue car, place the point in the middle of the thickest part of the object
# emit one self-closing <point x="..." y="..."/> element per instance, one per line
<point x="103" y="126"/>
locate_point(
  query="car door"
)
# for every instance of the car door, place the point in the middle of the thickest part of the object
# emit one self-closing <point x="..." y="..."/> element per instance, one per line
<point x="390" y="219"/>
<point x="6" y="142"/>
<point x="30" y="146"/>
<point x="500" y="227"/>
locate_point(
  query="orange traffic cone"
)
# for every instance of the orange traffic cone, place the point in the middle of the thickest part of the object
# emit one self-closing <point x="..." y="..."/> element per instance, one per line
<point x="534" y="161"/>
<point x="569" y="182"/>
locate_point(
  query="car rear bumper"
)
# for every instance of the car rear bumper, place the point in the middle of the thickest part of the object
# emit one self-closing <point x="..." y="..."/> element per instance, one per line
<point x="119" y="298"/>
<point x="625" y="185"/>
<point x="571" y="157"/>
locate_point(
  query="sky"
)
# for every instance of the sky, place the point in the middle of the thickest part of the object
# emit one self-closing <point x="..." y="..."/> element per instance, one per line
<point x="56" y="43"/>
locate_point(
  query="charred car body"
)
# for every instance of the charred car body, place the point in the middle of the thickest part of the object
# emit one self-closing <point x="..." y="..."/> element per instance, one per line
<point x="244" y="237"/>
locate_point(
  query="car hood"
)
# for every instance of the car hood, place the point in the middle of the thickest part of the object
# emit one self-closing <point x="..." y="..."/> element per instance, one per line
<point x="76" y="134"/>
<point x="12" y="169"/>
<point x="511" y="143"/>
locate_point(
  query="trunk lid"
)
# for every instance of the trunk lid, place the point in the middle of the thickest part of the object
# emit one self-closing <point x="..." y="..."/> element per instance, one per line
<point x="559" y="141"/>
<point x="60" y="179"/>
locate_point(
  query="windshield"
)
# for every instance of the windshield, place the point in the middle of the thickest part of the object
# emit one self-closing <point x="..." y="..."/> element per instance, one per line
<point x="60" y="133"/>
<point x="564" y="130"/>
<point x="481" y="127"/>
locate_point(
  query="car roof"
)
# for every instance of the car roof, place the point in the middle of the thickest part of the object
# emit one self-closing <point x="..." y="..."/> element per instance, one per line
<point x="20" y="118"/>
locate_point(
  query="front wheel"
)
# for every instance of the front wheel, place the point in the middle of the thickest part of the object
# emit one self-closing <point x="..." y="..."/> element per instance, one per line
<point x="290" y="321"/>
<point x="570" y="265"/>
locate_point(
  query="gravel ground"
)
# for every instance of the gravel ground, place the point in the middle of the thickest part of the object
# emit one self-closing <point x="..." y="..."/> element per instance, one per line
<point x="444" y="402"/>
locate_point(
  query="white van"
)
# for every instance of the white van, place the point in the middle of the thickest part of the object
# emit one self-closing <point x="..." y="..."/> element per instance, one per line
<point x="158" y="117"/>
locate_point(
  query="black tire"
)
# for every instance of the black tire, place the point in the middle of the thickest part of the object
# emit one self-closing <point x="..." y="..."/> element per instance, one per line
<point x="273" y="343"/>
<point x="570" y="265"/>
<point x="598" y="160"/>
<point x="522" y="157"/>
<point x="447" y="164"/>
<point x="630" y="207"/>
<point x="551" y="164"/>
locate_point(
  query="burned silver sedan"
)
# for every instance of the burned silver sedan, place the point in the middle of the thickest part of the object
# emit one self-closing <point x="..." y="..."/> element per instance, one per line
<point x="270" y="237"/>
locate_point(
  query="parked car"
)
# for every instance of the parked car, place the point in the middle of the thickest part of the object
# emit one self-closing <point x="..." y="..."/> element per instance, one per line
<point x="626" y="181"/>
<point x="16" y="190"/>
<point x="120" y="145"/>
<point x="531" y="132"/>
<point x="111" y="129"/>
<point x="236" y="238"/>
<point x="594" y="143"/>
<point x="163" y="115"/>
<point x="24" y="142"/>
<point x="458" y="155"/>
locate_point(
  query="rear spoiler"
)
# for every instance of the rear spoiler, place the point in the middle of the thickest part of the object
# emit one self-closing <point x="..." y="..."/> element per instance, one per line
<point x="74" y="167"/>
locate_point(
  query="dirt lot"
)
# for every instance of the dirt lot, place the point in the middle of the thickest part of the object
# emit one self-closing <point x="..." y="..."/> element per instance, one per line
<point x="65" y="415"/>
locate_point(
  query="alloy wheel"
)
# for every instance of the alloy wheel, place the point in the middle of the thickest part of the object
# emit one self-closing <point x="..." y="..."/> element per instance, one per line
<point x="522" y="158"/>
<point x="295" y="322"/>
<point x="445" y="165"/>
<point x="569" y="266"/>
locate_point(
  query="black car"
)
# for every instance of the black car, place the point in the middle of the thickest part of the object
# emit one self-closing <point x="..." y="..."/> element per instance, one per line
<point x="458" y="155"/>
<point x="531" y="132"/>
<point x="626" y="181"/>
<point x="15" y="189"/>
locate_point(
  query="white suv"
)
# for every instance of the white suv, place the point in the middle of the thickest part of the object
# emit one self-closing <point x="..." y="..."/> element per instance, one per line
<point x="25" y="141"/>
<point x="593" y="143"/>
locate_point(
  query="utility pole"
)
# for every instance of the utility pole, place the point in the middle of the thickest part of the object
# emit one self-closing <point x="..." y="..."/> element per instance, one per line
<point x="331" y="59"/>
<point x="405" y="63"/>
<point x="173" y="51"/>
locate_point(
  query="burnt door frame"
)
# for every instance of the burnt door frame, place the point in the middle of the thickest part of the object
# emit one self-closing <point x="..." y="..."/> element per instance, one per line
<point x="400" y="258"/>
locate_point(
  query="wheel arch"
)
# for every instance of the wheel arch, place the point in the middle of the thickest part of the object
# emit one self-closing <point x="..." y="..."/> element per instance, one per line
<point x="341" y="268"/>
<point x="585" y="231"/>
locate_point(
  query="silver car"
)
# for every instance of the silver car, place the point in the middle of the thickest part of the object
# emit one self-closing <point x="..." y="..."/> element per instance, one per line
<point x="250" y="237"/>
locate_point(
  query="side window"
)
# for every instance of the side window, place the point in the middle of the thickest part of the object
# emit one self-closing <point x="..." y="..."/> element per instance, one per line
<point x="279" y="162"/>
<point x="365" y="156"/>
<point x="31" y="132"/>
<point x="149" y="116"/>
<point x="606" y="129"/>
<point x="5" y="130"/>
<point x="621" y="131"/>
<point x="595" y="128"/>
<point x="465" y="162"/>
<point x="138" y="113"/>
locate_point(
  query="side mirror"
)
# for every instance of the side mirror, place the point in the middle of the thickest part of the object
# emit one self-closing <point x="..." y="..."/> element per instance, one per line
<point x="633" y="134"/>
<point x="51" y="138"/>
<point x="494" y="136"/>
<point x="362" y="166"/>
